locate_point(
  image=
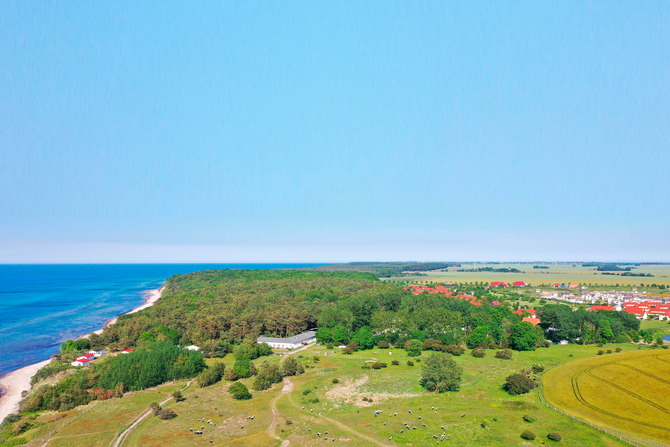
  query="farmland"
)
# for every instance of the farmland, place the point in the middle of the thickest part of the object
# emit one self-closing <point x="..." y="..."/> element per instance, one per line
<point x="481" y="413"/>
<point x="628" y="392"/>
<point x="553" y="273"/>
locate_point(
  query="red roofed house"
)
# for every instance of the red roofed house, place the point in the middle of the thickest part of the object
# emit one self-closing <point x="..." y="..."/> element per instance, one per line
<point x="533" y="321"/>
<point x="593" y="308"/>
<point x="498" y="284"/>
<point x="572" y="284"/>
<point x="640" y="314"/>
<point x="528" y="312"/>
<point x="519" y="284"/>
<point x="80" y="362"/>
<point x="126" y="351"/>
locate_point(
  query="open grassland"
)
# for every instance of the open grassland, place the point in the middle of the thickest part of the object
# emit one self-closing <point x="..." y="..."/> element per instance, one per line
<point x="556" y="273"/>
<point x="481" y="413"/>
<point x="629" y="392"/>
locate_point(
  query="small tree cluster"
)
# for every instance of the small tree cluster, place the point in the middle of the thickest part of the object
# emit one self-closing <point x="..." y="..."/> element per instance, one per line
<point x="478" y="352"/>
<point x="239" y="391"/>
<point x="528" y="435"/>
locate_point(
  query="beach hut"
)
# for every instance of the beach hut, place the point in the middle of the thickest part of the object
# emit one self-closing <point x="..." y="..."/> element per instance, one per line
<point x="82" y="361"/>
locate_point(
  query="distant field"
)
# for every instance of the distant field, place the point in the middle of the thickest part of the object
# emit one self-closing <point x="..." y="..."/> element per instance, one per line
<point x="629" y="392"/>
<point x="556" y="273"/>
<point x="481" y="414"/>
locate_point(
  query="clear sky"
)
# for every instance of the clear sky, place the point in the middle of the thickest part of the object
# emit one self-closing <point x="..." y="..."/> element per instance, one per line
<point x="334" y="131"/>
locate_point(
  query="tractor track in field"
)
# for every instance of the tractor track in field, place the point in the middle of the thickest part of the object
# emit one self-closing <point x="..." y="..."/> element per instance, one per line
<point x="645" y="373"/>
<point x="578" y="395"/>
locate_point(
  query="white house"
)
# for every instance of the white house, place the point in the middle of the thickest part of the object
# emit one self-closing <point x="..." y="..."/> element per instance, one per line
<point x="81" y="361"/>
<point x="193" y="348"/>
<point x="291" y="342"/>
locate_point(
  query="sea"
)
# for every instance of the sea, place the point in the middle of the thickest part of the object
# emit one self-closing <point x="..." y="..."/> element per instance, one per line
<point x="41" y="306"/>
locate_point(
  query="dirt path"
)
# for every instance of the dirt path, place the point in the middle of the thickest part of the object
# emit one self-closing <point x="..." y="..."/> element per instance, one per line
<point x="288" y="387"/>
<point x="142" y="417"/>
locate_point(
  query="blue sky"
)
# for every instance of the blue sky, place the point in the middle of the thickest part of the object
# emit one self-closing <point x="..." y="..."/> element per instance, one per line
<point x="342" y="131"/>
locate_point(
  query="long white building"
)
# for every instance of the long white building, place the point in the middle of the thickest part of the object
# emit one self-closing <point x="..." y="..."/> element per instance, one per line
<point x="291" y="342"/>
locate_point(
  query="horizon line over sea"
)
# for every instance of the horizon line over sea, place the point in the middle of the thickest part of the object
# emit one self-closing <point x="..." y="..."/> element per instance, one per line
<point x="42" y="305"/>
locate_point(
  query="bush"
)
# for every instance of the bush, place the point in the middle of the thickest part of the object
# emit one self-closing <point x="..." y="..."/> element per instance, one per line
<point x="618" y="349"/>
<point x="239" y="391"/>
<point x="529" y="418"/>
<point x="292" y="367"/>
<point x="178" y="397"/>
<point x="527" y="434"/>
<point x="505" y="354"/>
<point x="211" y="375"/>
<point x="379" y="365"/>
<point x="336" y="380"/>
<point x="516" y="384"/>
<point x="166" y="414"/>
<point x="306" y="392"/>
<point x="455" y="349"/>
<point x="478" y="352"/>
<point x="353" y="346"/>
<point x="383" y="344"/>
<point x="395" y="362"/>
<point x="230" y="375"/>
<point x="537" y="368"/>
<point x="554" y="436"/>
<point x="329" y="346"/>
<point x="601" y="352"/>
<point x="155" y="407"/>
<point x="410" y="363"/>
<point x="347" y="351"/>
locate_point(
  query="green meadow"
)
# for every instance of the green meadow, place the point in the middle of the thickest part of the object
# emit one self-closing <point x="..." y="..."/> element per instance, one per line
<point x="481" y="413"/>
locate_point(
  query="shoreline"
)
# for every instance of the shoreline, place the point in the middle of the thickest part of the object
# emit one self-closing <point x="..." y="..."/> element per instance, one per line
<point x="14" y="383"/>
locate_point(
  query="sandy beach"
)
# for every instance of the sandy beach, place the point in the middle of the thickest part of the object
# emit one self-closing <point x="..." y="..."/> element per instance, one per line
<point x="150" y="300"/>
<point x="16" y="382"/>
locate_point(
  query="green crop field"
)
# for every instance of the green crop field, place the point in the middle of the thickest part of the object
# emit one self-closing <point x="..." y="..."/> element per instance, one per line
<point x="629" y="392"/>
<point x="481" y="413"/>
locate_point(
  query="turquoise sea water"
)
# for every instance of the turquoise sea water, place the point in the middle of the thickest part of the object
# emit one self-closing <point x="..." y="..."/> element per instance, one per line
<point x="41" y="306"/>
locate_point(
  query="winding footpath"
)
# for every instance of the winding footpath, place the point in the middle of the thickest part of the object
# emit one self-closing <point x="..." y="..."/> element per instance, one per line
<point x="140" y="418"/>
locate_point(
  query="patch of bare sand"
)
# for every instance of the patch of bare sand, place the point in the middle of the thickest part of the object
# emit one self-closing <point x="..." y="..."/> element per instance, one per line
<point x="349" y="391"/>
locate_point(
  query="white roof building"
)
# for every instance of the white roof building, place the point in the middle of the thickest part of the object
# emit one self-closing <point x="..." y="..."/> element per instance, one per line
<point x="291" y="342"/>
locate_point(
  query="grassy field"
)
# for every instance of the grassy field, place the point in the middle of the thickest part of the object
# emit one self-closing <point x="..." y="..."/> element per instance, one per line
<point x="481" y="413"/>
<point x="556" y="273"/>
<point x="629" y="392"/>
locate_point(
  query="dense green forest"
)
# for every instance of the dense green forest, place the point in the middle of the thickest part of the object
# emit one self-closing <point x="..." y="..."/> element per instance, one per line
<point x="385" y="269"/>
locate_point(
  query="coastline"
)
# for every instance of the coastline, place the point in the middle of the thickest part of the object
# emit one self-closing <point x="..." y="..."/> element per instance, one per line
<point x="14" y="383"/>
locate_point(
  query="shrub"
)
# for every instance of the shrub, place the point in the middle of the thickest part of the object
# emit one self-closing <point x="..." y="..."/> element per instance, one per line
<point x="329" y="346"/>
<point x="505" y="354"/>
<point x="413" y="347"/>
<point x="378" y="365"/>
<point x="178" y="397"/>
<point x="527" y="434"/>
<point x="211" y="375"/>
<point x="166" y="414"/>
<point x="292" y="367"/>
<point x="239" y="391"/>
<point x="306" y="392"/>
<point x="21" y="427"/>
<point x="410" y="363"/>
<point x="395" y="362"/>
<point x="315" y="400"/>
<point x="528" y="418"/>
<point x="478" y="352"/>
<point x="601" y="352"/>
<point x="230" y="375"/>
<point x="519" y="384"/>
<point x="155" y="407"/>
<point x="609" y="351"/>
<point x="347" y="351"/>
<point x="554" y="436"/>
<point x="618" y="349"/>
<point x="353" y="346"/>
<point x="454" y="349"/>
<point x="537" y="368"/>
<point x="383" y="344"/>
<point x="316" y="358"/>
<point x="336" y="380"/>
